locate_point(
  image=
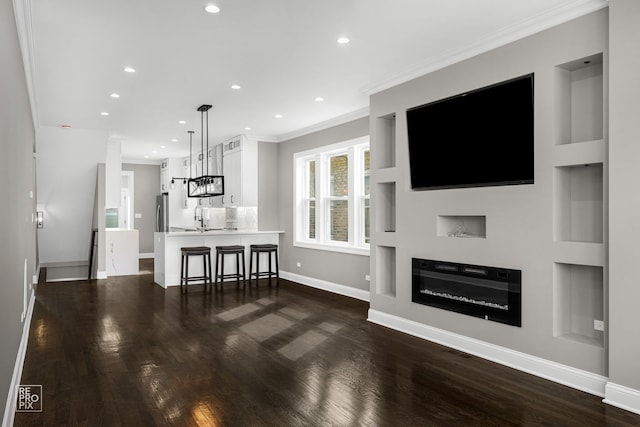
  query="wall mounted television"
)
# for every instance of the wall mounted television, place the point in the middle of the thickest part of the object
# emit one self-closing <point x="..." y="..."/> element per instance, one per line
<point x="480" y="138"/>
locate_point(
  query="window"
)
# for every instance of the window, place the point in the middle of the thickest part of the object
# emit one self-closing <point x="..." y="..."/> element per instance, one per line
<point x="332" y="197"/>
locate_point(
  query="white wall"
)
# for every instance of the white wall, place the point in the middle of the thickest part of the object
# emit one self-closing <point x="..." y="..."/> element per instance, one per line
<point x="67" y="166"/>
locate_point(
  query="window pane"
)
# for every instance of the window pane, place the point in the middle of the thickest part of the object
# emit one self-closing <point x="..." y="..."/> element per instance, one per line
<point x="311" y="212"/>
<point x="338" y="175"/>
<point x="367" y="227"/>
<point x="367" y="172"/>
<point x="311" y="167"/>
<point x="339" y="220"/>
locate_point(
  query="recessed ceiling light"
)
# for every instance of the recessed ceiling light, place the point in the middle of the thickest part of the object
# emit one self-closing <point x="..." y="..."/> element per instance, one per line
<point x="212" y="8"/>
<point x="146" y="157"/>
<point x="319" y="99"/>
<point x="247" y="128"/>
<point x="114" y="95"/>
<point x="236" y="87"/>
<point x="129" y="70"/>
<point x="278" y="116"/>
<point x="154" y="152"/>
<point x="174" y="140"/>
<point x="182" y="122"/>
<point x="163" y="146"/>
<point x="104" y="113"/>
<point x="343" y="40"/>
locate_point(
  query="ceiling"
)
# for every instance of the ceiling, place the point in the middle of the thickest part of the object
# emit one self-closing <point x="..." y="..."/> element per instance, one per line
<point x="282" y="53"/>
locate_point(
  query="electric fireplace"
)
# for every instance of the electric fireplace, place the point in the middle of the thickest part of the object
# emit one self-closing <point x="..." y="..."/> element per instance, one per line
<point x="491" y="293"/>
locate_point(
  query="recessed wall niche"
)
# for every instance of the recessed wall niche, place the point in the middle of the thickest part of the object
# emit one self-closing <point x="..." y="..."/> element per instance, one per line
<point x="386" y="147"/>
<point x="470" y="226"/>
<point x="386" y="207"/>
<point x="386" y="270"/>
<point x="579" y="100"/>
<point x="579" y="209"/>
<point x="578" y="301"/>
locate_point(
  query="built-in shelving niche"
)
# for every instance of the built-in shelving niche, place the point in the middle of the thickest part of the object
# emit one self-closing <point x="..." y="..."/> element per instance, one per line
<point x="462" y="226"/>
<point x="579" y="100"/>
<point x="578" y="301"/>
<point x="385" y="128"/>
<point x="386" y="207"/>
<point x="579" y="204"/>
<point x="386" y="270"/>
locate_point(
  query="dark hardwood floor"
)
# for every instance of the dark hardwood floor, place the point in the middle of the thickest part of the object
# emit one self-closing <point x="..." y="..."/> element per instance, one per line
<point x="125" y="352"/>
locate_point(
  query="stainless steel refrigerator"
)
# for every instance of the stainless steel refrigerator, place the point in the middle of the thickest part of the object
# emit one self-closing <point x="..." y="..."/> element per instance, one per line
<point x="162" y="213"/>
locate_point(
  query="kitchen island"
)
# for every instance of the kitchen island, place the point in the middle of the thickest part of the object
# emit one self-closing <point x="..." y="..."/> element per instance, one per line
<point x="167" y="254"/>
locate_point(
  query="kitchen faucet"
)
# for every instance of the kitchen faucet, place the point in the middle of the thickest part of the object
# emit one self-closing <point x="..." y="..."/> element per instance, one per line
<point x="201" y="218"/>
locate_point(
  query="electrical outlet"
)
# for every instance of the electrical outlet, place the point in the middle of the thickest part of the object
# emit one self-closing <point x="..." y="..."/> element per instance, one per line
<point x="367" y="277"/>
<point x="598" y="325"/>
<point x="298" y="264"/>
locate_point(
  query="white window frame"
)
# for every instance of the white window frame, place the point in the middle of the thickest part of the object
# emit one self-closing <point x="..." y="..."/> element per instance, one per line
<point x="354" y="149"/>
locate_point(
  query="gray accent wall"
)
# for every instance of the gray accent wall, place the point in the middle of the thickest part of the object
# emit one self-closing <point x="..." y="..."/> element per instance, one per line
<point x="335" y="267"/>
<point x="17" y="198"/>
<point x="624" y="197"/>
<point x="519" y="218"/>
<point x="146" y="179"/>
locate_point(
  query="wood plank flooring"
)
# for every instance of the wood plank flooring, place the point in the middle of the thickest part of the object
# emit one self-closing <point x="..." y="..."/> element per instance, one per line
<point x="125" y="352"/>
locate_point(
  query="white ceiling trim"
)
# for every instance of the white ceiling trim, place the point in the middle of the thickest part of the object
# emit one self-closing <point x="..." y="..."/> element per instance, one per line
<point x="510" y="34"/>
<point x="354" y="115"/>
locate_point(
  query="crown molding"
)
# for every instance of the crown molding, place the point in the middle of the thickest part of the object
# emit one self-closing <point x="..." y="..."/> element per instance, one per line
<point x="540" y="22"/>
<point x="344" y="118"/>
<point x="24" y="25"/>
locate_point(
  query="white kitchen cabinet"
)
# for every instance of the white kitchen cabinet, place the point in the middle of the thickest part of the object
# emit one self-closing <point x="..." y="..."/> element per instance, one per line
<point x="240" y="167"/>
<point x="169" y="168"/>
<point x="188" y="170"/>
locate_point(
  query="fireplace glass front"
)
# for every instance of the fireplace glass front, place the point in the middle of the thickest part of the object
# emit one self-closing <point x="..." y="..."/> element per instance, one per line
<point x="491" y="293"/>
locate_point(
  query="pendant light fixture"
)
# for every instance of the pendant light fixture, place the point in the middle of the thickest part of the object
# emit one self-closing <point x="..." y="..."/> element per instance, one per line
<point x="204" y="185"/>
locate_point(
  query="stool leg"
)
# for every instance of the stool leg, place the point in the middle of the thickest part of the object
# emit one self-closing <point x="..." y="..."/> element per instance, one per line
<point x="221" y="272"/>
<point x="186" y="272"/>
<point x="275" y="253"/>
<point x="215" y="280"/>
<point x="257" y="268"/>
<point x="269" y="255"/>
<point x="209" y="269"/>
<point x="244" y="273"/>
<point x="250" y="266"/>
<point x="237" y="270"/>
<point x="181" y="272"/>
<point x="204" y="271"/>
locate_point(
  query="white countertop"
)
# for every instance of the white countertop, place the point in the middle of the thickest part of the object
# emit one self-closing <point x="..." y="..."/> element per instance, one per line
<point x="219" y="233"/>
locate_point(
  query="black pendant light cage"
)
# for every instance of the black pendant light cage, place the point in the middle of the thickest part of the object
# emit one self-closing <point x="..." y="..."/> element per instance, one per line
<point x="205" y="185"/>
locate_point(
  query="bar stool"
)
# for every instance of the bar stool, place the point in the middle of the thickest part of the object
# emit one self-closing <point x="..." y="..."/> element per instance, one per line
<point x="270" y="250"/>
<point x="221" y="251"/>
<point x="187" y="252"/>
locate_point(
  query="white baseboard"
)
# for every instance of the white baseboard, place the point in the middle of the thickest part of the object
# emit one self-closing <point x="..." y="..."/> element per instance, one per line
<point x="36" y="276"/>
<point x="12" y="398"/>
<point x="336" y="288"/>
<point x="565" y="375"/>
<point x="101" y="275"/>
<point x="146" y="255"/>
<point x="622" y="397"/>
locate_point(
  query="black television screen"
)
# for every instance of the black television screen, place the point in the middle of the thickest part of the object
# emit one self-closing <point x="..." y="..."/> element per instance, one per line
<point x="479" y="138"/>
